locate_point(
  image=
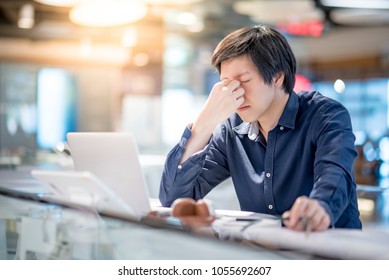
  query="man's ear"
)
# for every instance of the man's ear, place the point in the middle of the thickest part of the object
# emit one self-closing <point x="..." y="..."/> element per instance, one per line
<point x="279" y="79"/>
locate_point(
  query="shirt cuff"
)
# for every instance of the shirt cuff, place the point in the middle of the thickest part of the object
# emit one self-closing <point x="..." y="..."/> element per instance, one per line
<point x="185" y="137"/>
<point x="329" y="212"/>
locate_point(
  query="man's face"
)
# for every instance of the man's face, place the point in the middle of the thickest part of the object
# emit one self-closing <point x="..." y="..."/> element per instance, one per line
<point x="258" y="97"/>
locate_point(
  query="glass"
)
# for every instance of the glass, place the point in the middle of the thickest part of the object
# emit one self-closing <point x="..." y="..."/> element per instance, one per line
<point x="34" y="230"/>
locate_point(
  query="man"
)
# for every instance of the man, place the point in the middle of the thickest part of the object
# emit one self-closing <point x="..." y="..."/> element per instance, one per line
<point x="287" y="154"/>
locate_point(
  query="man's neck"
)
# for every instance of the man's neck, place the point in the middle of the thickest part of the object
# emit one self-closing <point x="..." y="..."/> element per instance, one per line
<point x="275" y="111"/>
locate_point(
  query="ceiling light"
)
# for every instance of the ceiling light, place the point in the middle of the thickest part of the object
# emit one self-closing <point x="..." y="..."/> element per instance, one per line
<point x="358" y="4"/>
<point x="141" y="59"/>
<point x="186" y="18"/>
<point x="107" y="13"/>
<point x="196" y="27"/>
<point x="358" y="17"/>
<point x="85" y="47"/>
<point x="339" y="86"/>
<point x="129" y="37"/>
<point x="60" y="3"/>
<point x="171" y="2"/>
<point x="269" y="11"/>
<point x="26" y="16"/>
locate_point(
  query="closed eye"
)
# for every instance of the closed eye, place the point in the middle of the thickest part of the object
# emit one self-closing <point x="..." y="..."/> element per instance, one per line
<point x="243" y="82"/>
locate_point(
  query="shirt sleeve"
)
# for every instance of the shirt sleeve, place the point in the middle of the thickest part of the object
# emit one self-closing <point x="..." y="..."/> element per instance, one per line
<point x="195" y="177"/>
<point x="334" y="184"/>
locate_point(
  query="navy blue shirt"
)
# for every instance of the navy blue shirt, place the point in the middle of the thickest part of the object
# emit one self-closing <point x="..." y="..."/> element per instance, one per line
<point x="309" y="152"/>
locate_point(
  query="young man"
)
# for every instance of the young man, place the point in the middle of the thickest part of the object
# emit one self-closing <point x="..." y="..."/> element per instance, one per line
<point x="287" y="154"/>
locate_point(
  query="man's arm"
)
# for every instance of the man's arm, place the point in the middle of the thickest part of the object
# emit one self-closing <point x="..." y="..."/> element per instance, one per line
<point x="199" y="174"/>
<point x="333" y="171"/>
<point x="223" y="100"/>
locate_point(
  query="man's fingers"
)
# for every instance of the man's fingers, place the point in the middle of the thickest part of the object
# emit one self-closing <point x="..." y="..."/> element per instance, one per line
<point x="307" y="212"/>
<point x="298" y="211"/>
<point x="230" y="86"/>
<point x="238" y="92"/>
<point x="323" y="223"/>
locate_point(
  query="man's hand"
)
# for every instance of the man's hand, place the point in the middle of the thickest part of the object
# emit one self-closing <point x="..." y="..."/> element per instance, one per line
<point x="223" y="100"/>
<point x="306" y="209"/>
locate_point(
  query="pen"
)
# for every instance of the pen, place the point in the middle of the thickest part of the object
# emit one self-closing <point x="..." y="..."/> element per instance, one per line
<point x="247" y="219"/>
<point x="304" y="222"/>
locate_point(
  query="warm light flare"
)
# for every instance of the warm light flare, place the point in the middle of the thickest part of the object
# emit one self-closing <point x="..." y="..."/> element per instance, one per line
<point x="60" y="3"/>
<point x="129" y="37"/>
<point x="26" y="16"/>
<point x="171" y="2"/>
<point x="107" y="13"/>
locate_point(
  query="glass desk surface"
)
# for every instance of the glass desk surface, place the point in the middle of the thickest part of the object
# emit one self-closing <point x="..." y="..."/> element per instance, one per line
<point x="36" y="230"/>
<point x="31" y="228"/>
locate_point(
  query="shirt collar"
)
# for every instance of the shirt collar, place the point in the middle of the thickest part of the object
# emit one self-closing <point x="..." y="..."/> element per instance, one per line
<point x="287" y="119"/>
<point x="249" y="128"/>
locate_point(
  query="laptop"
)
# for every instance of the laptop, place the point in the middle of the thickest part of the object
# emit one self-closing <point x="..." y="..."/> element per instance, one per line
<point x="107" y="176"/>
<point x="81" y="188"/>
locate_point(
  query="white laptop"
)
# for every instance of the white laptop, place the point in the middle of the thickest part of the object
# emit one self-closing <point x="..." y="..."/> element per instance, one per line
<point x="107" y="175"/>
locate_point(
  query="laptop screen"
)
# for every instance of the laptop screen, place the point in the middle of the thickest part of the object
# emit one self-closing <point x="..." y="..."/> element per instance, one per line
<point x="113" y="158"/>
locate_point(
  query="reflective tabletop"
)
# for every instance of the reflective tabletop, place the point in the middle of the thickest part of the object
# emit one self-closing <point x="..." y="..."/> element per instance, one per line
<point x="33" y="226"/>
<point x="32" y="229"/>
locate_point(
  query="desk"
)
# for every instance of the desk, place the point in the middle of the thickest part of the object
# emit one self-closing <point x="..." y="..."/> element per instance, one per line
<point x="35" y="230"/>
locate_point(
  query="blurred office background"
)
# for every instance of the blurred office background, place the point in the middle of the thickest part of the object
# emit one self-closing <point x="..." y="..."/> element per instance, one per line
<point x="143" y="66"/>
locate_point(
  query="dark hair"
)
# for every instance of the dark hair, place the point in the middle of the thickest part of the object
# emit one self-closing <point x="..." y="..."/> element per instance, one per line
<point x="266" y="47"/>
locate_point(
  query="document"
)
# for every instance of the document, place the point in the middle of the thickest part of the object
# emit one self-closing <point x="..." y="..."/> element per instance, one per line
<point x="230" y="225"/>
<point x="267" y="231"/>
<point x="333" y="243"/>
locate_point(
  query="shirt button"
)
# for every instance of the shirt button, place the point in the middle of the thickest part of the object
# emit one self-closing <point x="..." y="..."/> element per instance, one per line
<point x="268" y="175"/>
<point x="270" y="206"/>
<point x="281" y="128"/>
<point x="179" y="166"/>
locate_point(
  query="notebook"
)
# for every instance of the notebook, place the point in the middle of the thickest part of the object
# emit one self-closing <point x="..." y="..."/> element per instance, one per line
<point x="107" y="174"/>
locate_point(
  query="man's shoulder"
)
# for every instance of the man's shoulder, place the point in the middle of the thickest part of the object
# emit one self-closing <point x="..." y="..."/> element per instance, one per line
<point x="314" y="100"/>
